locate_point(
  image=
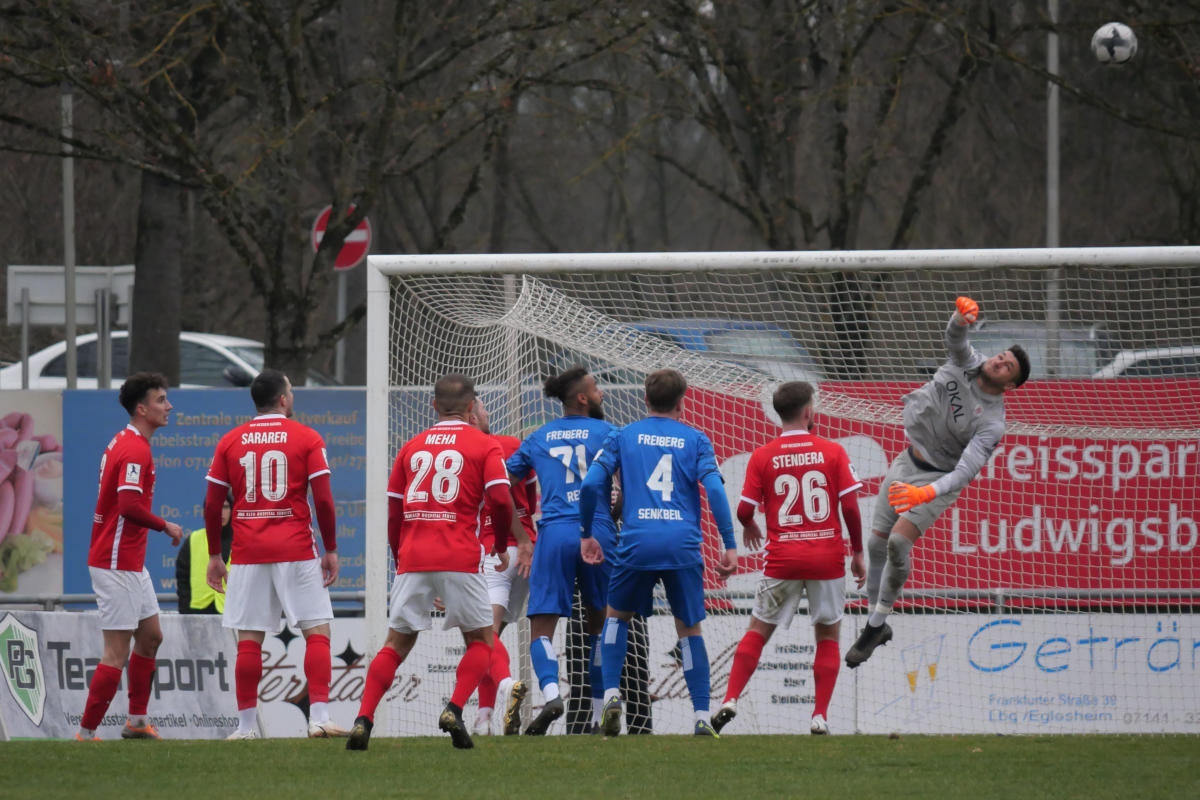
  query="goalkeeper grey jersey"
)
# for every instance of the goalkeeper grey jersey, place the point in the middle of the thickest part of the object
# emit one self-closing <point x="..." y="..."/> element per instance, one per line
<point x="950" y="420"/>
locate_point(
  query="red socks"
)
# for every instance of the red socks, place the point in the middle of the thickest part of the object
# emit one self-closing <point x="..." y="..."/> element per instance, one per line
<point x="247" y="672"/>
<point x="498" y="670"/>
<point x="825" y="672"/>
<point x="141" y="676"/>
<point x="745" y="661"/>
<point x="101" y="691"/>
<point x="318" y="667"/>
<point x="471" y="668"/>
<point x="379" y="677"/>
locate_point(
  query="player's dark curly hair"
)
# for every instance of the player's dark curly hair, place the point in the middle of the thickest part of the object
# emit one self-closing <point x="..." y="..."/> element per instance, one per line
<point x="565" y="385"/>
<point x="137" y="386"/>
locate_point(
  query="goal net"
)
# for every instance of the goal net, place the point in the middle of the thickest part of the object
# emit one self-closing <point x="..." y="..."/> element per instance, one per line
<point x="1056" y="595"/>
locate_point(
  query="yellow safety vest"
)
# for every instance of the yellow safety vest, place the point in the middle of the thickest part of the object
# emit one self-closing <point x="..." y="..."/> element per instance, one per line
<point x="203" y="595"/>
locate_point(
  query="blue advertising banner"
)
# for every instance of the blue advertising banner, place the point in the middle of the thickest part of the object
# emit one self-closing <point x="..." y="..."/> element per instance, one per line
<point x="182" y="452"/>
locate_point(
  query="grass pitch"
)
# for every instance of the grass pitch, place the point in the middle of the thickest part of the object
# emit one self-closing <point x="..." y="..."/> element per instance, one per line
<point x="732" y="768"/>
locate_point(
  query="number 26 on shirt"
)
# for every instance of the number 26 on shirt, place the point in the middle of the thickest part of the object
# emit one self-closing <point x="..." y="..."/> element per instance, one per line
<point x="806" y="495"/>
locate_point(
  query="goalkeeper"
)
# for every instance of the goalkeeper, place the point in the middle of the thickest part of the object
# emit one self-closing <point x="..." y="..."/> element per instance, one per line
<point x="953" y="423"/>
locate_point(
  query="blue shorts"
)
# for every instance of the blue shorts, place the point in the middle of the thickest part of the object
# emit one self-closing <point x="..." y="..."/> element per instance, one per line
<point x="557" y="565"/>
<point x="633" y="590"/>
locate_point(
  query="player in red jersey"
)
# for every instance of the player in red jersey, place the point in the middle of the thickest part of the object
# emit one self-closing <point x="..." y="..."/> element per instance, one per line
<point x="439" y="484"/>
<point x="270" y="463"/>
<point x="125" y="595"/>
<point x="800" y="480"/>
<point x="508" y="590"/>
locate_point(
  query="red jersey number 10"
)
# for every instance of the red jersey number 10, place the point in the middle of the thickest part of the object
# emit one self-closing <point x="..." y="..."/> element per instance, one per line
<point x="269" y="474"/>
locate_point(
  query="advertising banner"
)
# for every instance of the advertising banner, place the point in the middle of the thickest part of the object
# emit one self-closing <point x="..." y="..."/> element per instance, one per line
<point x="1049" y="512"/>
<point x="48" y="659"/>
<point x="943" y="673"/>
<point x="31" y="495"/>
<point x="183" y="450"/>
<point x="956" y="673"/>
<point x="779" y="699"/>
<point x="1055" y="673"/>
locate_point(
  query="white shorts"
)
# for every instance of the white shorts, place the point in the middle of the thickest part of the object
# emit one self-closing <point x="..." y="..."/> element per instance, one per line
<point x="465" y="595"/>
<point x="123" y="597"/>
<point x="257" y="594"/>
<point x="776" y="600"/>
<point x="506" y="589"/>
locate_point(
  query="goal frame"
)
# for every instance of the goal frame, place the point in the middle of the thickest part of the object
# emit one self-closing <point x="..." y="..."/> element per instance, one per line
<point x="380" y="268"/>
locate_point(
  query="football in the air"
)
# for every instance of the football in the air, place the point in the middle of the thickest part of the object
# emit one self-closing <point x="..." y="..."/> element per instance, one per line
<point x="1114" y="43"/>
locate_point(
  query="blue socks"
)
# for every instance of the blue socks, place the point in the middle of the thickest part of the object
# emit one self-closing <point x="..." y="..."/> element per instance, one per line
<point x="695" y="671"/>
<point x="545" y="666"/>
<point x="596" y="671"/>
<point x="614" y="641"/>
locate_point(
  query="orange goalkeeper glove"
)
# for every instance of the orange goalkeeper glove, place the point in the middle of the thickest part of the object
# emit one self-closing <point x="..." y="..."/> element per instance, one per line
<point x="968" y="309"/>
<point x="903" y="496"/>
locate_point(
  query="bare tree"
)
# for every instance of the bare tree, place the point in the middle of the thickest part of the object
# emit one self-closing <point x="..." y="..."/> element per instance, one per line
<point x="256" y="110"/>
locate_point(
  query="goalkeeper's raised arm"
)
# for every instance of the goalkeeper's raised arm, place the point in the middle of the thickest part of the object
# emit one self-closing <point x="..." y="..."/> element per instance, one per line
<point x="952" y="424"/>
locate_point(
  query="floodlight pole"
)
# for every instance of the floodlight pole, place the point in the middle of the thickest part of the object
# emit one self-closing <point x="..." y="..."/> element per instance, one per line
<point x="68" y="190"/>
<point x="1053" y="300"/>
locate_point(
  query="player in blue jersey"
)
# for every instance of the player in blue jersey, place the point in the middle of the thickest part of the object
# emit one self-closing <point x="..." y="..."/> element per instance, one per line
<point x="559" y="453"/>
<point x="662" y="464"/>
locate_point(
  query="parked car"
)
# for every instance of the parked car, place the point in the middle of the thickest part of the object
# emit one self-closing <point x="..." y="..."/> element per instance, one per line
<point x="1083" y="349"/>
<point x="205" y="360"/>
<point x="760" y="345"/>
<point x="1182" y="361"/>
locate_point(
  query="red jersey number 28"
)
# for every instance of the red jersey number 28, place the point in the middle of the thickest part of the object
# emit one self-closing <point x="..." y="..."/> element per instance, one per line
<point x="436" y="474"/>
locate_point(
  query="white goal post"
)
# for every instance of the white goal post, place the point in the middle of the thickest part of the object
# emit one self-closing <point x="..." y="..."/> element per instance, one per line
<point x="1057" y="595"/>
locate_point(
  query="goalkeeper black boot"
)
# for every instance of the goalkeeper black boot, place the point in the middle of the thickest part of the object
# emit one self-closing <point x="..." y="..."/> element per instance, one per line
<point x="872" y="636"/>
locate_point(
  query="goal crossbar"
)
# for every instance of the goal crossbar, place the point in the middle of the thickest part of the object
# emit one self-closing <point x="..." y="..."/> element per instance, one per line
<point x="843" y="260"/>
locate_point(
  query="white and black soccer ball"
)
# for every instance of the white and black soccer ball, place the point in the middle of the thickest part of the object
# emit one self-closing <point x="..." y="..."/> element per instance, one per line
<point x="1114" y="43"/>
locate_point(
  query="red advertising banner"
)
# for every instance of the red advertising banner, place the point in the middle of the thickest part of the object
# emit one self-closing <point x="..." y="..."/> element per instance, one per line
<point x="1106" y="512"/>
